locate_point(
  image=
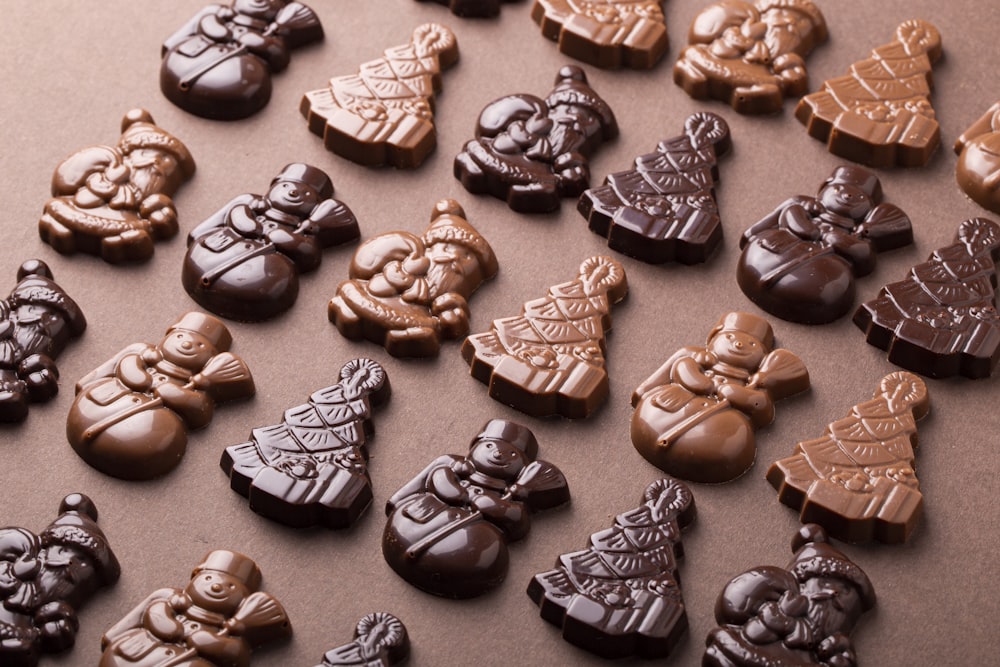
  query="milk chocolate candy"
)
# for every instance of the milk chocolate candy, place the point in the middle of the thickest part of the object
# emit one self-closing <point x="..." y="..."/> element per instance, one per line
<point x="695" y="416"/>
<point x="531" y="152"/>
<point x="47" y="577"/>
<point x="978" y="170"/>
<point x="606" y="33"/>
<point x="750" y="55"/>
<point x="879" y="113"/>
<point x="132" y="413"/>
<point x="311" y="469"/>
<point x="549" y="359"/>
<point x="941" y="320"/>
<point x="448" y="528"/>
<point x="115" y="201"/>
<point x="219" y="64"/>
<point x="664" y="209"/>
<point x="407" y="292"/>
<point x="857" y="480"/>
<point x="244" y="261"/>
<point x="380" y="640"/>
<point x="800" y="261"/>
<point x="621" y="595"/>
<point x="384" y="114"/>
<point x="472" y="8"/>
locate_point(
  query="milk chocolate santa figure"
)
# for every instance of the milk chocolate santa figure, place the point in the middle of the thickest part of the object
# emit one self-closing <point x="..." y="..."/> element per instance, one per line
<point x="978" y="169"/>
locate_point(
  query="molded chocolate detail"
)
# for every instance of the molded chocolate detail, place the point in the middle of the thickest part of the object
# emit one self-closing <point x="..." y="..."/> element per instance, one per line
<point x="244" y="261"/>
<point x="606" y="33"/>
<point x="857" y="480"/>
<point x="799" y="262"/>
<point x="549" y="359"/>
<point x="750" y="55"/>
<point x="978" y="170"/>
<point x="799" y="615"/>
<point x="311" y="469"/>
<point x="879" y="113"/>
<point x="384" y="114"/>
<point x="472" y="8"/>
<point x="449" y="526"/>
<point x="941" y="320"/>
<point x="132" y="413"/>
<point x="217" y="619"/>
<point x="219" y="64"/>
<point x="409" y="292"/>
<point x="380" y="640"/>
<point x="664" y="209"/>
<point x="114" y="201"/>
<point x="695" y="416"/>
<point x="45" y="578"/>
<point x="621" y="596"/>
<point x="531" y="152"/>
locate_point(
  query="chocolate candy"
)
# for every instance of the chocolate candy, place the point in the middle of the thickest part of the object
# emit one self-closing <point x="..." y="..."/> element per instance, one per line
<point x="311" y="469"/>
<point x="799" y="615"/>
<point x="380" y="640"/>
<point x="750" y="55"/>
<point x="621" y="596"/>
<point x="800" y="261"/>
<point x="114" y="201"/>
<point x="132" y="413"/>
<point x="664" y="209"/>
<point x="941" y="320"/>
<point x="549" y="359"/>
<point x="244" y="261"/>
<point x="217" y="619"/>
<point x="472" y="8"/>
<point x="409" y="292"/>
<point x="37" y="321"/>
<point x="384" y="114"/>
<point x="857" y="479"/>
<point x="978" y="169"/>
<point x="45" y="578"/>
<point x="531" y="152"/>
<point x="606" y="33"/>
<point x="219" y="64"/>
<point x="880" y="113"/>
<point x="695" y="416"/>
<point x="449" y="526"/>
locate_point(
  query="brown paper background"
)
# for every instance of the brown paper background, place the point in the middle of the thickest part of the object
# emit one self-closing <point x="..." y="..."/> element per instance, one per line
<point x="68" y="72"/>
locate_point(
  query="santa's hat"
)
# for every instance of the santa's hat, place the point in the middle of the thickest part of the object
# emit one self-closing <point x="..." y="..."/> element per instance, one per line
<point x="816" y="557"/>
<point x="36" y="287"/>
<point x="232" y="563"/>
<point x="139" y="131"/>
<point x="76" y="528"/>
<point x="520" y="437"/>
<point x="747" y="323"/>
<point x="572" y="89"/>
<point x="804" y="7"/>
<point x="298" y="172"/>
<point x="211" y="328"/>
<point x="448" y="225"/>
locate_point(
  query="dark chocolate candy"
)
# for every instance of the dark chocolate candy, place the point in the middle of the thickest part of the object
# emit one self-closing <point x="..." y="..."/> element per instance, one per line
<point x="879" y="114"/>
<point x="45" y="578"/>
<point x="244" y="261"/>
<point x="114" y="201"/>
<point x="531" y="152"/>
<point x="407" y="292"/>
<point x="219" y="64"/>
<point x="549" y="359"/>
<point x="621" y="595"/>
<point x="799" y="615"/>
<point x="380" y="640"/>
<point x="799" y="262"/>
<point x="384" y="114"/>
<point x="978" y="169"/>
<point x="449" y="526"/>
<point x="472" y="8"/>
<point x="695" y="416"/>
<point x="750" y="54"/>
<point x="664" y="209"/>
<point x="132" y="413"/>
<point x="941" y="320"/>
<point x="217" y="619"/>
<point x="857" y="480"/>
<point x="311" y="469"/>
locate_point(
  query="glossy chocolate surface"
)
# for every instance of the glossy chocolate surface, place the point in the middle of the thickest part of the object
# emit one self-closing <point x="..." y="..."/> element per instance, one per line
<point x="978" y="170"/>
<point x="380" y="640"/>
<point x="115" y="201"/>
<point x="472" y="8"/>
<point x="941" y="319"/>
<point x="244" y="261"/>
<point x="531" y="152"/>
<point x="132" y="413"/>
<point x="664" y="209"/>
<point x="449" y="526"/>
<point x="621" y="595"/>
<point x="549" y="359"/>
<point x="800" y="261"/>
<point x="879" y="114"/>
<point x="695" y="416"/>
<point x="384" y="114"/>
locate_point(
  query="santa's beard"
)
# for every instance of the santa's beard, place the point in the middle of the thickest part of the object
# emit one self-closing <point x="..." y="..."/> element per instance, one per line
<point x="443" y="277"/>
<point x="10" y="354"/>
<point x="31" y="340"/>
<point x="148" y="179"/>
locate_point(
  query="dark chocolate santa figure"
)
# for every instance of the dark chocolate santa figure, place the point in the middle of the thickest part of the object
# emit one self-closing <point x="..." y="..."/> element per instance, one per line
<point x="380" y="640"/>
